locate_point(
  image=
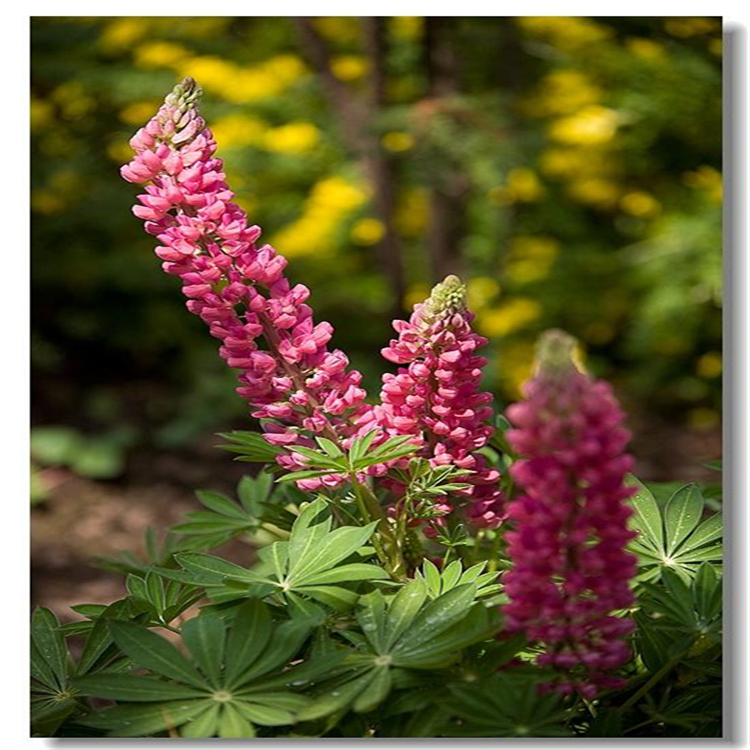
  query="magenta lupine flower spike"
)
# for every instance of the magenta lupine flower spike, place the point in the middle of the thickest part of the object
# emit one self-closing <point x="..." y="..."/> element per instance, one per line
<point x="570" y="568"/>
<point x="435" y="396"/>
<point x="238" y="287"/>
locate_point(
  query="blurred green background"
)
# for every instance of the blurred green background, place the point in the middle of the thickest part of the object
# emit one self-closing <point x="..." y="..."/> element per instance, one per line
<point x="567" y="168"/>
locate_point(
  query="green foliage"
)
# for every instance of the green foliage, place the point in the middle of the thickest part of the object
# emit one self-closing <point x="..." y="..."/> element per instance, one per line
<point x="219" y="692"/>
<point x="306" y="566"/>
<point x="329" y="459"/>
<point x="676" y="537"/>
<point x="97" y="457"/>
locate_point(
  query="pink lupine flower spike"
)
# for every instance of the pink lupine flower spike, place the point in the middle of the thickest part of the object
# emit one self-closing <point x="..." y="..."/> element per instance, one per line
<point x="435" y="396"/>
<point x="570" y="568"/>
<point x="237" y="286"/>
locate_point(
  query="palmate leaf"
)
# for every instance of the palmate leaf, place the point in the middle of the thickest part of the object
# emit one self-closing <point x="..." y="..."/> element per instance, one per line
<point x="221" y="692"/>
<point x="401" y="637"/>
<point x="504" y="705"/>
<point x="673" y="538"/>
<point x="306" y="565"/>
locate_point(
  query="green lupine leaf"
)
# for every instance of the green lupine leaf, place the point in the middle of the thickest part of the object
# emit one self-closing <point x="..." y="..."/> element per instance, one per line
<point x="41" y="670"/>
<point x="330" y="550"/>
<point x="132" y="688"/>
<point x="220" y="504"/>
<point x="403" y="610"/>
<point x="707" y="591"/>
<point x="333" y="596"/>
<point x="50" y="643"/>
<point x="151" y="651"/>
<point x="155" y="589"/>
<point x="436" y="617"/>
<point x="136" y="586"/>
<point x="451" y="575"/>
<point x="285" y="643"/>
<point x="329" y="447"/>
<point x="375" y="692"/>
<point x="646" y="519"/>
<point x="710" y="554"/>
<point x="248" y="637"/>
<point x="343" y="573"/>
<point x="372" y="620"/>
<point x="233" y="725"/>
<point x="197" y="562"/>
<point x="97" y="643"/>
<point x="205" y="638"/>
<point x="360" y="446"/>
<point x="335" y="698"/>
<point x="431" y="575"/>
<point x="250" y="445"/>
<point x="204" y="724"/>
<point x="681" y="515"/>
<point x="709" y="531"/>
<point x="264" y="715"/>
<point x="479" y="624"/>
<point x="138" y="721"/>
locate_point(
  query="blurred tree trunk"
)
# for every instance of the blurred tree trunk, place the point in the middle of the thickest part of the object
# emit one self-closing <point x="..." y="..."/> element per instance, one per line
<point x="356" y="117"/>
<point x="450" y="184"/>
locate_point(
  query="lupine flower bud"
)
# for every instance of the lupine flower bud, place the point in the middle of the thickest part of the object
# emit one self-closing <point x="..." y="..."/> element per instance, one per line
<point x="237" y="287"/>
<point x="436" y="398"/>
<point x="570" y="568"/>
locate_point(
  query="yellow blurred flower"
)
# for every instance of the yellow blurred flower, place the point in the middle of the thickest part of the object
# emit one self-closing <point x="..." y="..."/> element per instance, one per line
<point x="41" y="114"/>
<point x="595" y="192"/>
<point x="349" y="67"/>
<point x="46" y="201"/>
<point x="515" y="366"/>
<point x="416" y="294"/>
<point x="118" y="149"/>
<point x="238" y="130"/>
<point x="410" y="216"/>
<point x="72" y="99"/>
<point x="646" y="49"/>
<point x="338" y="28"/>
<point x="292" y="138"/>
<point x="577" y="161"/>
<point x="139" y="113"/>
<point x="240" y="84"/>
<point x="407" y="27"/>
<point x="565" y="32"/>
<point x="331" y="201"/>
<point x="562" y="92"/>
<point x="367" y="231"/>
<point x="510" y="316"/>
<point x="522" y="186"/>
<point x="590" y="126"/>
<point x="159" y="54"/>
<point x="481" y="291"/>
<point x="709" y="365"/>
<point x="397" y="141"/>
<point x="121" y="33"/>
<point x="531" y="258"/>
<point x="687" y="27"/>
<point x="641" y="204"/>
<point x="702" y="418"/>
<point x="705" y="178"/>
<point x="716" y="47"/>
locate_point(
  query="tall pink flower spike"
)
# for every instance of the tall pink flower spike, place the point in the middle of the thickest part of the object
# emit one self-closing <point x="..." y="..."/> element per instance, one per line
<point x="436" y="395"/>
<point x="238" y="288"/>
<point x="570" y="568"/>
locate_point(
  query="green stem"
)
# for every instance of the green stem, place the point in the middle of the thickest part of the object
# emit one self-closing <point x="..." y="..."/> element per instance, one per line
<point x="671" y="664"/>
<point x="385" y="542"/>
